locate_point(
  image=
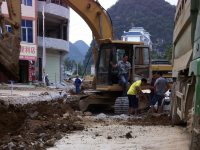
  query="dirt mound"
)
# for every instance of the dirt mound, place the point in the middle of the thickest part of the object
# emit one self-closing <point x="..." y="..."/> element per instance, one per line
<point x="36" y="126"/>
<point x="162" y="120"/>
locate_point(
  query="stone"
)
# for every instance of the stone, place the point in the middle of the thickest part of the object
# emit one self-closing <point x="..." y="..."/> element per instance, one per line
<point x="50" y="142"/>
<point x="42" y="134"/>
<point x="11" y="145"/>
<point x="35" y="114"/>
<point x="66" y="115"/>
<point x="87" y="113"/>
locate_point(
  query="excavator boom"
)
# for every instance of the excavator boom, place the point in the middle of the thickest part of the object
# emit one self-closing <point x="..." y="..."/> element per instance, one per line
<point x="95" y="16"/>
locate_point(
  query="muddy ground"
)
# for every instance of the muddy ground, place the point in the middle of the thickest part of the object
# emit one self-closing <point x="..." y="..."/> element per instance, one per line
<point x="36" y="126"/>
<point x="58" y="125"/>
<point x="121" y="133"/>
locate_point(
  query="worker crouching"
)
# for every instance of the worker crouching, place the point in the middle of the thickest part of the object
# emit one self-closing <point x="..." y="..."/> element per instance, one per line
<point x="132" y="92"/>
<point x="77" y="84"/>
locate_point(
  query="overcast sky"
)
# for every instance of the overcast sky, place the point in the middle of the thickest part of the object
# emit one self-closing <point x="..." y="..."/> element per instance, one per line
<point x="79" y="30"/>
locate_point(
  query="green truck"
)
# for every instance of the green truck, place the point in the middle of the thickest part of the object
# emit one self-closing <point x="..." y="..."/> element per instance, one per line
<point x="185" y="96"/>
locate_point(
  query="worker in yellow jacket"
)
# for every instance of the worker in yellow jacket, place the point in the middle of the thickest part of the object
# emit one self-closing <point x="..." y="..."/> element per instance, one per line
<point x="132" y="92"/>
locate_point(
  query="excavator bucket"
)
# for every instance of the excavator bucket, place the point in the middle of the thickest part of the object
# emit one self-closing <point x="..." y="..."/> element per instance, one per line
<point x="9" y="56"/>
<point x="10" y="42"/>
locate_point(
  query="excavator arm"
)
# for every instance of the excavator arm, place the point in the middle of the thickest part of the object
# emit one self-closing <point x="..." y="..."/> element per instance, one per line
<point x="10" y="42"/>
<point x="95" y="16"/>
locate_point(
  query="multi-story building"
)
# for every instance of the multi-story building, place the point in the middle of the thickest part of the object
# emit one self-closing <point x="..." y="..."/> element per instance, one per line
<point x="138" y="34"/>
<point x="56" y="41"/>
<point x="28" y="54"/>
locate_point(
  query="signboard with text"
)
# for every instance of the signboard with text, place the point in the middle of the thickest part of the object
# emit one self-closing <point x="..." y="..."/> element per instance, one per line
<point x="28" y="52"/>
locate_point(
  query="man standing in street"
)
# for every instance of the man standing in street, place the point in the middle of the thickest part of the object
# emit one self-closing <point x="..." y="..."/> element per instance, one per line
<point x="132" y="92"/>
<point x="160" y="86"/>
<point x="77" y="84"/>
<point x="124" y="72"/>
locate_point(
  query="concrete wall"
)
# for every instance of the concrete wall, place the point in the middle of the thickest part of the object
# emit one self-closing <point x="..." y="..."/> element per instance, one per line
<point x="27" y="11"/>
<point x="54" y="44"/>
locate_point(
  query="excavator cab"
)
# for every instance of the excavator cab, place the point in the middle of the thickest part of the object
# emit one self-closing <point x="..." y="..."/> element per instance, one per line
<point x="138" y="57"/>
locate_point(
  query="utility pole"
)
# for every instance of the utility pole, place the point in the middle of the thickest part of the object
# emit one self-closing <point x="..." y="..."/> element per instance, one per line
<point x="44" y="50"/>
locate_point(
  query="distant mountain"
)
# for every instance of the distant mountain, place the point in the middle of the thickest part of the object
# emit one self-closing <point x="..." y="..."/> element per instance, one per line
<point x="155" y="16"/>
<point x="74" y="53"/>
<point x="82" y="46"/>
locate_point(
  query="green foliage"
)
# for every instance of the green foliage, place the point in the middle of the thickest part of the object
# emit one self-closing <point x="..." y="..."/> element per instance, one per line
<point x="69" y="64"/>
<point x="80" y="69"/>
<point x="88" y="58"/>
<point x="168" y="53"/>
<point x="155" y="16"/>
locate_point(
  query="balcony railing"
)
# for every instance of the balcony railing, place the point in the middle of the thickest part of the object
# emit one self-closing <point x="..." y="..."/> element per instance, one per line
<point x="58" y="2"/>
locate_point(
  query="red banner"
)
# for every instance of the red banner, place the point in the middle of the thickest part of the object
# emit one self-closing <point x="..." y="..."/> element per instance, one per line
<point x="29" y="72"/>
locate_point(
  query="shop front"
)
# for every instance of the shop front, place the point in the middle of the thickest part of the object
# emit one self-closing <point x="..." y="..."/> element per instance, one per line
<point x="27" y="58"/>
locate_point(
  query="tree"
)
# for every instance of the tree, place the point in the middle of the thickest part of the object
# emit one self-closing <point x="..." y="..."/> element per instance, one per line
<point x="168" y="53"/>
<point x="80" y="69"/>
<point x="69" y="64"/>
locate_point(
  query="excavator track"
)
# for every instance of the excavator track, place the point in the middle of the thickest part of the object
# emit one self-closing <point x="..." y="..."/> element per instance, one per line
<point x="121" y="105"/>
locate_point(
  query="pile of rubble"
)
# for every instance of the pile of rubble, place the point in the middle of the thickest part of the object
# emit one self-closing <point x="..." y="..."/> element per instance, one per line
<point x="38" y="125"/>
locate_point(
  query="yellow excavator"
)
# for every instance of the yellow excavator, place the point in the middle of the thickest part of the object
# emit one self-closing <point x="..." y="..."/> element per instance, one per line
<point x="105" y="81"/>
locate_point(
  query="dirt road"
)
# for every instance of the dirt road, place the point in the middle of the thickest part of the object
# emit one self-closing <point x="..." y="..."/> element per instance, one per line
<point x="111" y="134"/>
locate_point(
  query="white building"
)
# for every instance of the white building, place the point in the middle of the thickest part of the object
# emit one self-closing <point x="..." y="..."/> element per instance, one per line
<point x="138" y="34"/>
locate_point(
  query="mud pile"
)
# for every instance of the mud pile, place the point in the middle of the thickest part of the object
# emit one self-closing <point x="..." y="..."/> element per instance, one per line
<point x="36" y="126"/>
<point x="162" y="120"/>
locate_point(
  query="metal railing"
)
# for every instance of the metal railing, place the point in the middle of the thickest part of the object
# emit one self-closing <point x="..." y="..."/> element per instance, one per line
<point x="58" y="2"/>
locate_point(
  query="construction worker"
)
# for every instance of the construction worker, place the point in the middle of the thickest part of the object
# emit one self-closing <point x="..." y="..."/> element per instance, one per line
<point x="132" y="92"/>
<point x="160" y="86"/>
<point x="124" y="72"/>
<point x="77" y="84"/>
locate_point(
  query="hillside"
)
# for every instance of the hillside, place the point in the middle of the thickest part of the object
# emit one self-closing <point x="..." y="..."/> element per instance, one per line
<point x="82" y="46"/>
<point x="155" y="16"/>
<point x="74" y="53"/>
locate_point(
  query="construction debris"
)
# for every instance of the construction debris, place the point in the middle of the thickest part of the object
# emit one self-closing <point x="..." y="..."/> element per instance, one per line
<point x="38" y="125"/>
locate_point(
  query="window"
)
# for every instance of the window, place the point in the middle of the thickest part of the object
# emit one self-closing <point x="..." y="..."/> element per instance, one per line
<point x="142" y="56"/>
<point x="26" y="2"/>
<point x="27" y="31"/>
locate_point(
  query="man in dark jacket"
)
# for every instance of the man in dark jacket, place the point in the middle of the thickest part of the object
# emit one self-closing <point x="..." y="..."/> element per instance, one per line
<point x="77" y="84"/>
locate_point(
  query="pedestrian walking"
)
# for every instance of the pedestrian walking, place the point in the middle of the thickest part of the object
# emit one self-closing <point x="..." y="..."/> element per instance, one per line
<point x="124" y="72"/>
<point x="77" y="84"/>
<point x="162" y="86"/>
<point x="132" y="92"/>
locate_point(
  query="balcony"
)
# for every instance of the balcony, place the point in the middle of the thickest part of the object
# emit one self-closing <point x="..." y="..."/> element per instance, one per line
<point x="58" y="2"/>
<point x="54" y="44"/>
<point x="56" y="9"/>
